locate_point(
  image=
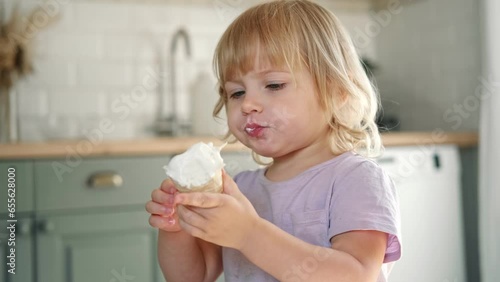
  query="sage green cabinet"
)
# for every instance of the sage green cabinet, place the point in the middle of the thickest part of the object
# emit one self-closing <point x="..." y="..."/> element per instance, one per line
<point x="91" y="220"/>
<point x="83" y="224"/>
<point x="85" y="220"/>
<point x="115" y="246"/>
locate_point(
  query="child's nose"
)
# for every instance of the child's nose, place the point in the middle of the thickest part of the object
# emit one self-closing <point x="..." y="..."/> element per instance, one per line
<point x="251" y="103"/>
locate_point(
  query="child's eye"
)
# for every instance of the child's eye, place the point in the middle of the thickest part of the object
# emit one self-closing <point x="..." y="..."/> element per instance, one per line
<point x="276" y="86"/>
<point x="236" y="95"/>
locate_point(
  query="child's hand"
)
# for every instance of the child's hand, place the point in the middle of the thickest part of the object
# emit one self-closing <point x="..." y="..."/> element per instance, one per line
<point x="223" y="219"/>
<point x="162" y="208"/>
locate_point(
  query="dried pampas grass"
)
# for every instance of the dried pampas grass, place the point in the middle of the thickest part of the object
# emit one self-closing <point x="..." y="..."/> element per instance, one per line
<point x="16" y="35"/>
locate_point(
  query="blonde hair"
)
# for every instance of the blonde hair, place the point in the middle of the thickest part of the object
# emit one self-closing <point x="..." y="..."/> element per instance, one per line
<point x="298" y="34"/>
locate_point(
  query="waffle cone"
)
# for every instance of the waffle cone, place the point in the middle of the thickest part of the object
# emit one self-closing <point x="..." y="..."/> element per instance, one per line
<point x="214" y="185"/>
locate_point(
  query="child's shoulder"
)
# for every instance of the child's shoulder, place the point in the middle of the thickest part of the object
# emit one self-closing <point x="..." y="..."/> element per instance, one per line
<point x="351" y="161"/>
<point x="359" y="169"/>
<point x="352" y="165"/>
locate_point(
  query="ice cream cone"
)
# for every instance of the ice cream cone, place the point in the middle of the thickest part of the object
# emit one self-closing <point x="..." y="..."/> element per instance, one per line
<point x="214" y="185"/>
<point x="199" y="169"/>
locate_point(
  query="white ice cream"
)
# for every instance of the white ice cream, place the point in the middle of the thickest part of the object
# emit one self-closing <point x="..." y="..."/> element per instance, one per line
<point x="196" y="166"/>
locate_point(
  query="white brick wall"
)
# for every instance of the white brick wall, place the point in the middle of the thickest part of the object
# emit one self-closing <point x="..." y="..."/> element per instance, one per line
<point x="90" y="60"/>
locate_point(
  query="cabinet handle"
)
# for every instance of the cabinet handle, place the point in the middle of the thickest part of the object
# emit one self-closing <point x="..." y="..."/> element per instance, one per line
<point x="105" y="180"/>
<point x="46" y="226"/>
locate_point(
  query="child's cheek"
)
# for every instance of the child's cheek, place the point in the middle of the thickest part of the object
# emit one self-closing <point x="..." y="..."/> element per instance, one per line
<point x="233" y="116"/>
<point x="232" y="123"/>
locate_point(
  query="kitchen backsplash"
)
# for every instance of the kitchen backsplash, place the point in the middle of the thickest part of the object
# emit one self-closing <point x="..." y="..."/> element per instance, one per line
<point x="107" y="60"/>
<point x="93" y="62"/>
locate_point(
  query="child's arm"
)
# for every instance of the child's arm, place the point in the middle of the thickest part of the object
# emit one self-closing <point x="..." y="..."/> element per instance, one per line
<point x="185" y="258"/>
<point x="231" y="221"/>
<point x="181" y="256"/>
<point x="353" y="256"/>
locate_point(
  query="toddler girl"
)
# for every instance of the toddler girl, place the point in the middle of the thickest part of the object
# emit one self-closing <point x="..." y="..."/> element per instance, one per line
<point x="294" y="90"/>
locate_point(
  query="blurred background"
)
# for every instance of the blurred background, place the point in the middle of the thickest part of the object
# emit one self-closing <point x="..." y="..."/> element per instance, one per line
<point x="130" y="70"/>
<point x="89" y="56"/>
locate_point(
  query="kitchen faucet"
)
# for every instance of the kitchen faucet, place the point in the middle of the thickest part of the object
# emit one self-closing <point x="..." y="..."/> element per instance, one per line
<point x="172" y="125"/>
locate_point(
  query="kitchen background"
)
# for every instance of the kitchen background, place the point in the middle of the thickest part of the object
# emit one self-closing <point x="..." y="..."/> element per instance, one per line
<point x="94" y="59"/>
<point x="112" y="59"/>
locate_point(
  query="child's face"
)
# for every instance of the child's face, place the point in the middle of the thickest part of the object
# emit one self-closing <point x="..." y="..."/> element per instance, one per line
<point x="271" y="113"/>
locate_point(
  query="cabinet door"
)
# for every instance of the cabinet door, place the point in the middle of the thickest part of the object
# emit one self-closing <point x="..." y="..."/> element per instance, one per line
<point x="113" y="247"/>
<point x="24" y="251"/>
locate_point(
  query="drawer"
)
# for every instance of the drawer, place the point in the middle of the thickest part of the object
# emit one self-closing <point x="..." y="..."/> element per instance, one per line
<point x="62" y="184"/>
<point x="23" y="180"/>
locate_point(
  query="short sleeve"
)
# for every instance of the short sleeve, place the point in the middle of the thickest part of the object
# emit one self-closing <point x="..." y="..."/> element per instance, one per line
<point x="365" y="198"/>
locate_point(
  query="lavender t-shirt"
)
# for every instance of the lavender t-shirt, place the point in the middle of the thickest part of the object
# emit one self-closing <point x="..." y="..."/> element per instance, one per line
<point x="348" y="192"/>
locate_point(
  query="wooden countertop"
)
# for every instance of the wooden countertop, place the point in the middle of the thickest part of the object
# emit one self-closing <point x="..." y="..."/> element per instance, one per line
<point x="170" y="145"/>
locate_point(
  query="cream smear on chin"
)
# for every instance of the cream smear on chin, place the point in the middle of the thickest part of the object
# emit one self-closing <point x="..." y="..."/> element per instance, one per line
<point x="197" y="166"/>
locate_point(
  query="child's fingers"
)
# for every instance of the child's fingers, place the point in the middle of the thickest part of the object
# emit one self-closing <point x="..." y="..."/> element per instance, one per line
<point x="162" y="197"/>
<point x="229" y="185"/>
<point x="168" y="186"/>
<point x="164" y="223"/>
<point x="188" y="215"/>
<point x="158" y="209"/>
<point x="190" y="222"/>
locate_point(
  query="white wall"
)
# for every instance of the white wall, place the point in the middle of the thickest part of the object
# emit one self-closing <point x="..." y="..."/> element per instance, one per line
<point x="93" y="58"/>
<point x="489" y="150"/>
<point x="429" y="55"/>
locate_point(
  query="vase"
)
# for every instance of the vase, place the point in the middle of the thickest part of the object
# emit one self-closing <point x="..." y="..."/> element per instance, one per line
<point x="8" y="122"/>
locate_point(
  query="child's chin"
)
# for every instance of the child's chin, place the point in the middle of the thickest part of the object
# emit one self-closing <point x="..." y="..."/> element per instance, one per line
<point x="264" y="152"/>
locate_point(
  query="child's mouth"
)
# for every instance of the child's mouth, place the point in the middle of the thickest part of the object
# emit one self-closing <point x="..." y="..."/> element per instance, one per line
<point x="254" y="130"/>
